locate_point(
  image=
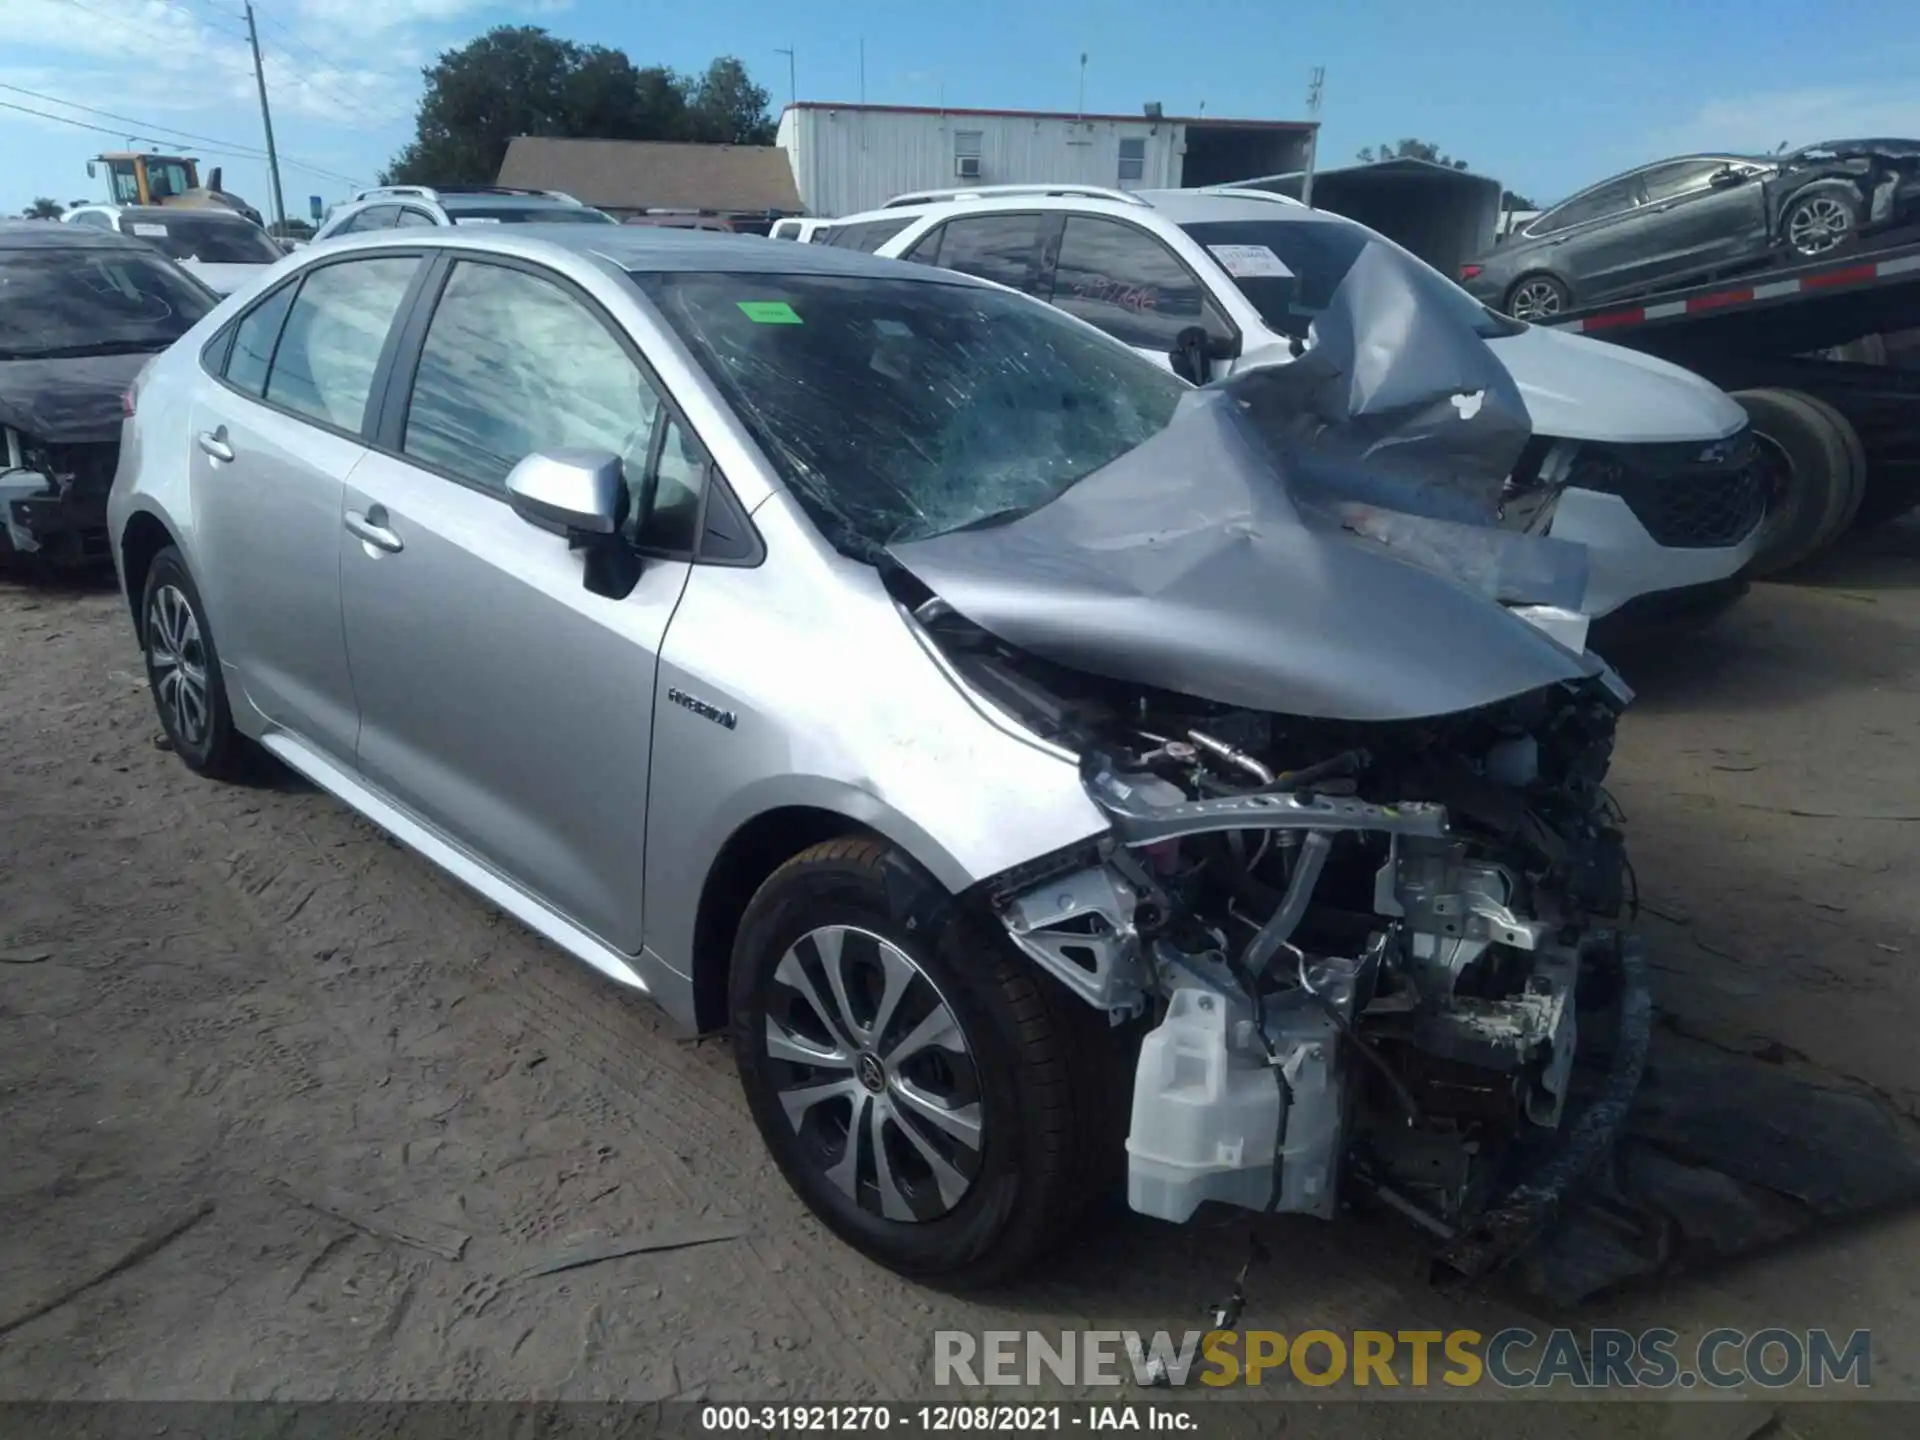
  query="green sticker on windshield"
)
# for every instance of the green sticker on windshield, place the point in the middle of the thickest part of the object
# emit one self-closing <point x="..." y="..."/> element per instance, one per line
<point x="769" y="312"/>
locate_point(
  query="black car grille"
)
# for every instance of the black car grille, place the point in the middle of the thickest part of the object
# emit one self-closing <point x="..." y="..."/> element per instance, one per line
<point x="1691" y="496"/>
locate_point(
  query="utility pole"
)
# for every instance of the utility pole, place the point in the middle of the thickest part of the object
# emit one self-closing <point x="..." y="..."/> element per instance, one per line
<point x="266" y="120"/>
<point x="863" y="71"/>
<point x="1316" y="78"/>
<point x="1080" y="109"/>
<point x="793" y="90"/>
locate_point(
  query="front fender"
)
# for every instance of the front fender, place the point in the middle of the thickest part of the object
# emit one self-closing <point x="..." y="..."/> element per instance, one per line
<point x="800" y="683"/>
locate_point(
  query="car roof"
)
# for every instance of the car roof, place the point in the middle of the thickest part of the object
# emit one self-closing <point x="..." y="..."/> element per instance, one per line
<point x="651" y="249"/>
<point x="495" y="200"/>
<point x="52" y="235"/>
<point x="1179" y="207"/>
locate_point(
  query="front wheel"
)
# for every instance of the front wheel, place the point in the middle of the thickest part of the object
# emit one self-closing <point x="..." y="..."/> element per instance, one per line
<point x="1820" y="221"/>
<point x="1539" y="298"/>
<point x="931" y="1096"/>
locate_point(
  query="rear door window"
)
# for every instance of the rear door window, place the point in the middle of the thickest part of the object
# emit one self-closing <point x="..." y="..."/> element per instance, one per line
<point x="1122" y="279"/>
<point x="1001" y="248"/>
<point x="330" y="346"/>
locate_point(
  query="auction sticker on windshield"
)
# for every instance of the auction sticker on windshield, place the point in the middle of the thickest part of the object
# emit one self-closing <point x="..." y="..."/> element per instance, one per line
<point x="1250" y="262"/>
<point x="769" y="312"/>
<point x="151" y="230"/>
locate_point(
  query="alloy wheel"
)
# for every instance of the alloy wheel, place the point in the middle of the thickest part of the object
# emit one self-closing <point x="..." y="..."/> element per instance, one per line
<point x="1536" y="300"/>
<point x="177" y="660"/>
<point x="875" y="1074"/>
<point x="1817" y="225"/>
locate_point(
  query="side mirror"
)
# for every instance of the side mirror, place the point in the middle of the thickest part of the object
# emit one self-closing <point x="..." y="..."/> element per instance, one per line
<point x="576" y="492"/>
<point x="1191" y="356"/>
<point x="1725" y="176"/>
<point x="92" y="172"/>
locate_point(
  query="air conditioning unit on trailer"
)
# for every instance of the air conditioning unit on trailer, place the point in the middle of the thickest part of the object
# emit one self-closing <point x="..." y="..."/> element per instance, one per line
<point x="967" y="167"/>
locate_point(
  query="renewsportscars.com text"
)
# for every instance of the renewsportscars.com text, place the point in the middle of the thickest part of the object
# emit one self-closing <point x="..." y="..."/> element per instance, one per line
<point x="1515" y="1358"/>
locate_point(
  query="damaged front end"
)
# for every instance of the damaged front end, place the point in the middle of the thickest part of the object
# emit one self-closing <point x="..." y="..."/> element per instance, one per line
<point x="1365" y="947"/>
<point x="1361" y="870"/>
<point x="53" y="498"/>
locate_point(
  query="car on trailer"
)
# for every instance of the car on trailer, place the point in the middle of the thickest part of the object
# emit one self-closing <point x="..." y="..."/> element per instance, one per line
<point x="1695" y="217"/>
<point x="1805" y="350"/>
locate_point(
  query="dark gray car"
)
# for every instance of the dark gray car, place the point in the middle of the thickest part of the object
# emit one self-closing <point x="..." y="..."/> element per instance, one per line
<point x="1689" y="219"/>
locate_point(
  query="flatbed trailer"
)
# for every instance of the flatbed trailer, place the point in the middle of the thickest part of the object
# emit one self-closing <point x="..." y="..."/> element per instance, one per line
<point x="1815" y="352"/>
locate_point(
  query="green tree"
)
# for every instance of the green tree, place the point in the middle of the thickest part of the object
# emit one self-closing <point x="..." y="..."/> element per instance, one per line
<point x="1512" y="200"/>
<point x="521" y="80"/>
<point x="1411" y="150"/>
<point x="727" y="108"/>
<point x="44" y="209"/>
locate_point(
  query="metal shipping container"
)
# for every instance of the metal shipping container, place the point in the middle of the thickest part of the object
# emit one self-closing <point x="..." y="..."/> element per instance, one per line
<point x="848" y="158"/>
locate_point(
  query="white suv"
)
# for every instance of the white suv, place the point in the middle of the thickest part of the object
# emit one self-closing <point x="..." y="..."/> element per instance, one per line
<point x="1660" y="483"/>
<point x="388" y="207"/>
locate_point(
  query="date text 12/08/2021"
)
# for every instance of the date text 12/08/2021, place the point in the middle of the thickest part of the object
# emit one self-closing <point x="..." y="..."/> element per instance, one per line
<point x="944" y="1419"/>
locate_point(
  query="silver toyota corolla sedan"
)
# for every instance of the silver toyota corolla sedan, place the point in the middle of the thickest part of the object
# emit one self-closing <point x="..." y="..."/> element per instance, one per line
<point x="907" y="677"/>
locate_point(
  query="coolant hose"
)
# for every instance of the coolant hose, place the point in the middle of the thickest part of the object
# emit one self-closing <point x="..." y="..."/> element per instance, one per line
<point x="1284" y="921"/>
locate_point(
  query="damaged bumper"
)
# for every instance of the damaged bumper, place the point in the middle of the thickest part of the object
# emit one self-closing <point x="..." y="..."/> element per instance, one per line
<point x="53" y="499"/>
<point x="1350" y="990"/>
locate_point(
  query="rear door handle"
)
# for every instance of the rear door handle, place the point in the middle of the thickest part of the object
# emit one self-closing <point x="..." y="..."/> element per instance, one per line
<point x="371" y="527"/>
<point x="214" y="442"/>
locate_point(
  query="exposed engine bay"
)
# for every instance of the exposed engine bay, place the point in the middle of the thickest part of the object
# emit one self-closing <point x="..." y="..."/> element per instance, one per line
<point x="1364" y="947"/>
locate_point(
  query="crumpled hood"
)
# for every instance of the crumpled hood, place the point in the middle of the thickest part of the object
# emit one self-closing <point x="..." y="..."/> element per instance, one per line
<point x="65" y="402"/>
<point x="1577" y="388"/>
<point x="1190" y="564"/>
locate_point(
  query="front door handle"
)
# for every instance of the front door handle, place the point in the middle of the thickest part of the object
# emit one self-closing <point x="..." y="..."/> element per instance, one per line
<point x="214" y="442"/>
<point x="371" y="528"/>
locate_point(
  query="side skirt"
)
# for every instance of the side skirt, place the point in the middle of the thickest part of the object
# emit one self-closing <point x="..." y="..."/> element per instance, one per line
<point x="647" y="972"/>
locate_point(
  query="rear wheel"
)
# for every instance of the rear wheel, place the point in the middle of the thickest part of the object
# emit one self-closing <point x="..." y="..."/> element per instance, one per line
<point x="928" y="1093"/>
<point x="1538" y="297"/>
<point x="1847" y="497"/>
<point x="1811" y="469"/>
<point x="183" y="672"/>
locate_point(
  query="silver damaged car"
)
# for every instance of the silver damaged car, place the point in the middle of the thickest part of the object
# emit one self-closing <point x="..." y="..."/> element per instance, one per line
<point x="1048" y="787"/>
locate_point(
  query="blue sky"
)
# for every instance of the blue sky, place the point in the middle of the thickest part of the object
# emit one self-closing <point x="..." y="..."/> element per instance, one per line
<point x="1545" y="96"/>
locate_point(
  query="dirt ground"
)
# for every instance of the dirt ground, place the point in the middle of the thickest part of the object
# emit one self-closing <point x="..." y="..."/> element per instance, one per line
<point x="249" y="999"/>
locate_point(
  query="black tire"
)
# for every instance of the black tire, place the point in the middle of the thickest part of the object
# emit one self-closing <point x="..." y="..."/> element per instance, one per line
<point x="1821" y="220"/>
<point x="1849" y="496"/>
<point x="1540" y="294"/>
<point x="1810" y="463"/>
<point x="1038" y="1067"/>
<point x="173" y="625"/>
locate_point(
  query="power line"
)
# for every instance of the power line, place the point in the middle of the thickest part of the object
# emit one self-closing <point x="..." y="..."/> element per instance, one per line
<point x="126" y="24"/>
<point x="227" y="15"/>
<point x="229" y="146"/>
<point x="141" y="30"/>
<point x="223" y="147"/>
<point x="326" y="92"/>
